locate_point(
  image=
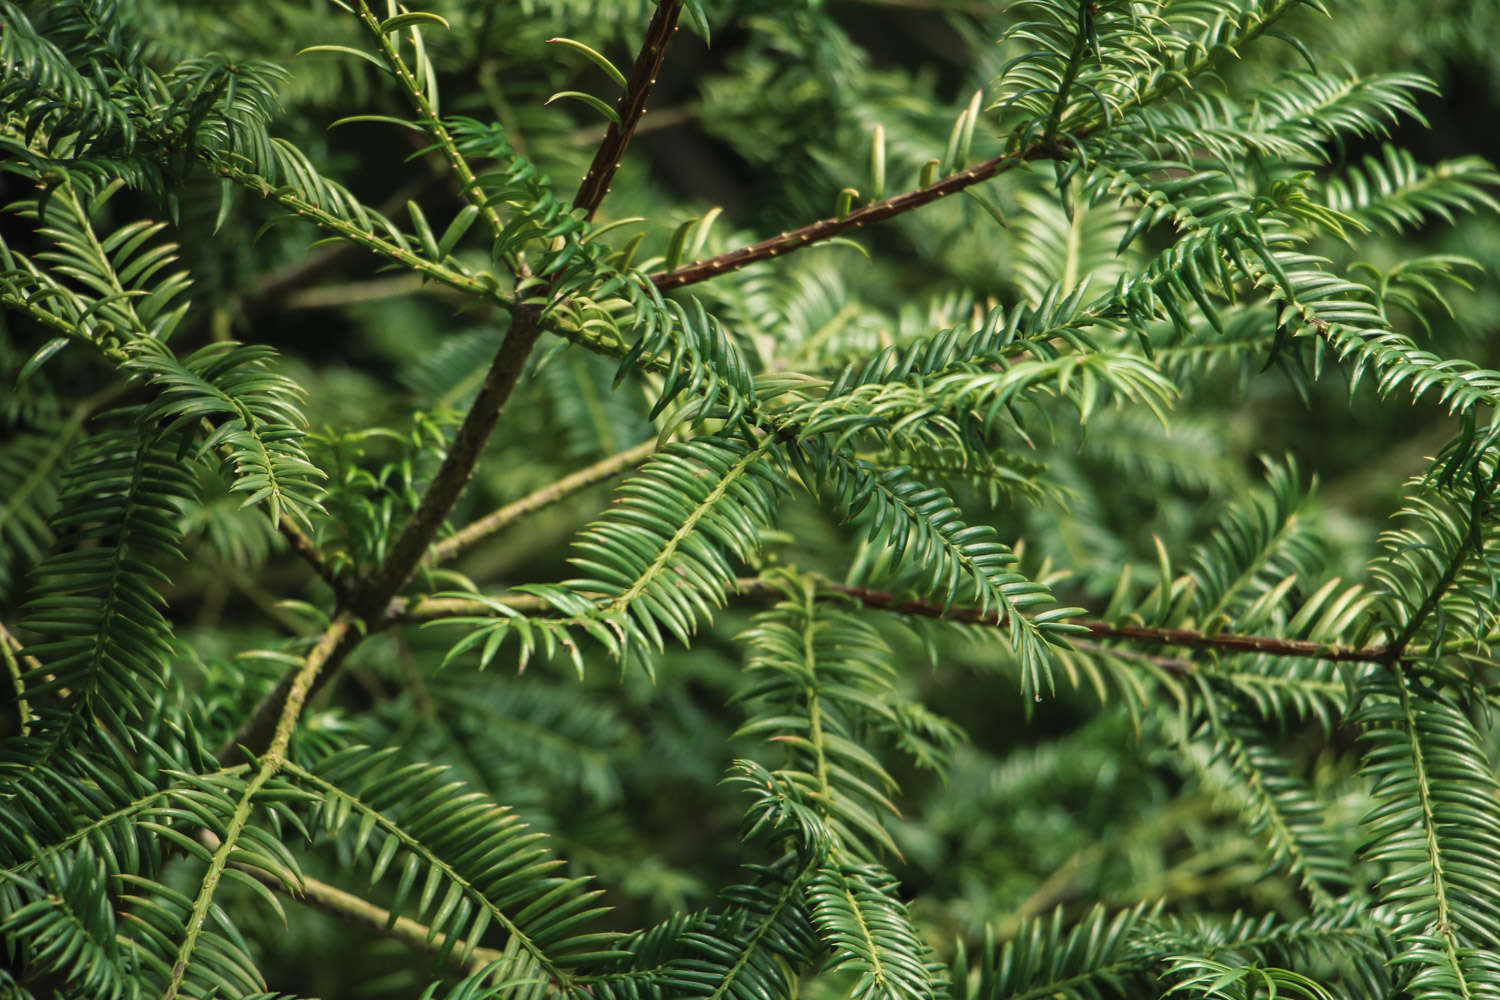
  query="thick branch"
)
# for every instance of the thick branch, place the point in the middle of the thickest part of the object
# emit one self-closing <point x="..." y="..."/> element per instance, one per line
<point x="631" y="107"/>
<point x="504" y="517"/>
<point x="375" y="592"/>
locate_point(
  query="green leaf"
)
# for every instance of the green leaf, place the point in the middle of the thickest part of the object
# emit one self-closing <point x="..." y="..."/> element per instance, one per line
<point x="604" y="109"/>
<point x="593" y="56"/>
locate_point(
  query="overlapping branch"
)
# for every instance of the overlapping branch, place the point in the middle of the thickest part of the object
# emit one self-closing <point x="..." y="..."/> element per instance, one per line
<point x="369" y="599"/>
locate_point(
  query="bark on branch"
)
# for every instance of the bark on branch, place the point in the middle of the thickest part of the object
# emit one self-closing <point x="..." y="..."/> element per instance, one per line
<point x="631" y="107"/>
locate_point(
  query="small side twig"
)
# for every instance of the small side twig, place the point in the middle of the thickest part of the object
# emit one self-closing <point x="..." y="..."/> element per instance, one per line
<point x="504" y="517"/>
<point x="304" y="547"/>
<point x="362" y="913"/>
<point x="825" y="229"/>
<point x="17" y="664"/>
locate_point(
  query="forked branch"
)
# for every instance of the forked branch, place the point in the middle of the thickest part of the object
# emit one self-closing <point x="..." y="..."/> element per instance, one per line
<point x="375" y="592"/>
<point x="370" y="599"/>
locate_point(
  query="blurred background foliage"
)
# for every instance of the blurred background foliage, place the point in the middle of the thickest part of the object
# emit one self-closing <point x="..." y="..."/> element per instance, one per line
<point x="1059" y="802"/>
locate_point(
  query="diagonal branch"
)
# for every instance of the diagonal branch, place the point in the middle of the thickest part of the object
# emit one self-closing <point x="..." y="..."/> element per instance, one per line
<point x="825" y="229"/>
<point x="357" y="910"/>
<point x="372" y="594"/>
<point x="260" y="727"/>
<point x="325" y="220"/>
<point x="1250" y="25"/>
<point x="370" y="599"/>
<point x="504" y="517"/>
<point x="16" y="664"/>
<point x="631" y="107"/>
<point x="1472" y="541"/>
<point x="301" y="687"/>
<point x="470" y="185"/>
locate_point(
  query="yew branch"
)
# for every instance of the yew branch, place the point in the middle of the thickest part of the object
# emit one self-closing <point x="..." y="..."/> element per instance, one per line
<point x="825" y="229"/>
<point x="631" y="107"/>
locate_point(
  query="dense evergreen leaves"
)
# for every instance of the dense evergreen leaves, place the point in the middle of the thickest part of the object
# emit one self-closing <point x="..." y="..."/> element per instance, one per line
<point x="907" y="608"/>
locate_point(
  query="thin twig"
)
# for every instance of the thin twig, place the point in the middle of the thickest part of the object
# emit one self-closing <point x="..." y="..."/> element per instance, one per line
<point x="879" y="211"/>
<point x="632" y="106"/>
<point x="1472" y="541"/>
<point x="372" y="596"/>
<point x="350" y="231"/>
<point x="304" y="547"/>
<point x="825" y="229"/>
<point x="755" y="588"/>
<point x="307" y="269"/>
<point x="1097" y="629"/>
<point x="335" y="296"/>
<point x="469" y="183"/>
<point x="1171" y="664"/>
<point x="360" y="912"/>
<point x="10" y="652"/>
<point x="1268" y="645"/>
<point x="427" y="609"/>
<point x="504" y="517"/>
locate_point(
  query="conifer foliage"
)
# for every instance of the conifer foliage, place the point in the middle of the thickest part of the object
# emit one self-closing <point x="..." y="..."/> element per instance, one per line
<point x="869" y="585"/>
